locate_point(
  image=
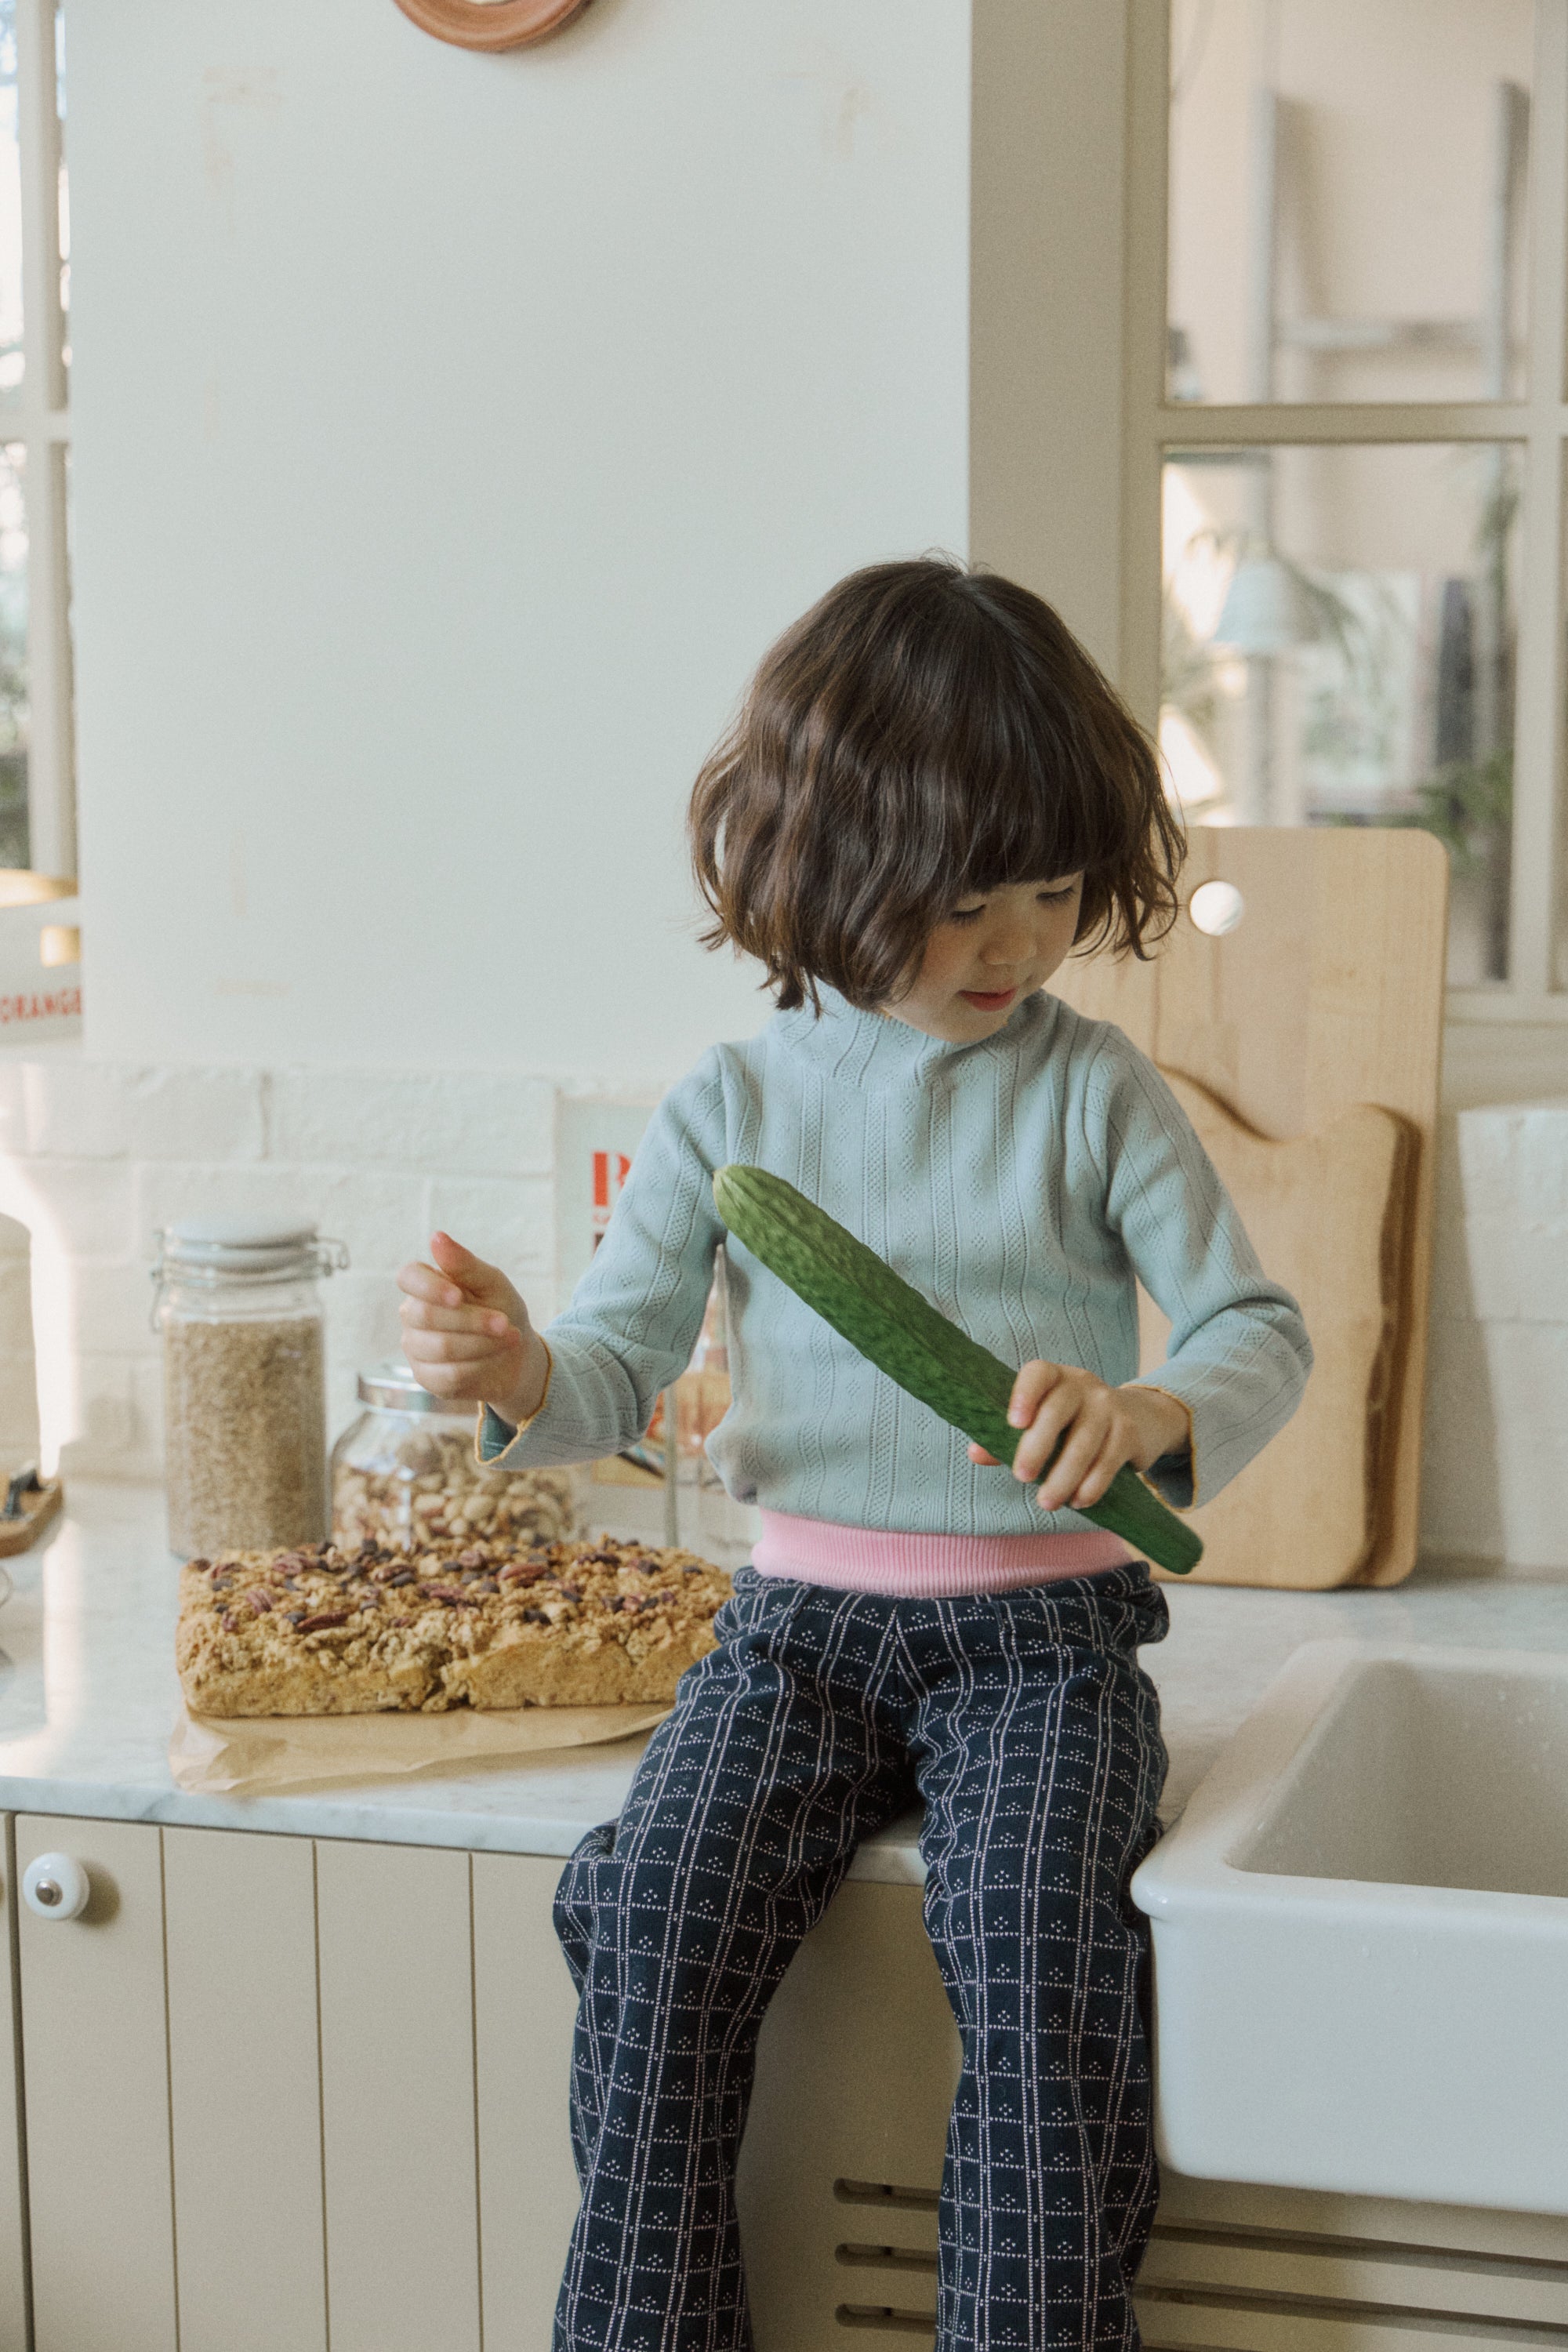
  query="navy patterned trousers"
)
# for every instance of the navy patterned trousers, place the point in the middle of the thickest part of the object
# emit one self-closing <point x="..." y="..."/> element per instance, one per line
<point x="1025" y="1724"/>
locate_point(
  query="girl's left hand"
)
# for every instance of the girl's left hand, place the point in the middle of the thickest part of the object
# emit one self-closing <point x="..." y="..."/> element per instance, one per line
<point x="1103" y="1428"/>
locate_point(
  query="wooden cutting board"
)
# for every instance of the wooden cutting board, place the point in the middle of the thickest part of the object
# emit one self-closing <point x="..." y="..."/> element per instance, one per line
<point x="1327" y="995"/>
<point x="38" y="1509"/>
<point x="1326" y="1214"/>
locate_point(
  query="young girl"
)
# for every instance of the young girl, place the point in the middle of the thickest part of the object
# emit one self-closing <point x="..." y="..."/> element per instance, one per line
<point x="931" y="798"/>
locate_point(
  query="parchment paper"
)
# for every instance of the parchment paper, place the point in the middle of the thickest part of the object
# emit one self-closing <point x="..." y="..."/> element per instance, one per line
<point x="241" y="1755"/>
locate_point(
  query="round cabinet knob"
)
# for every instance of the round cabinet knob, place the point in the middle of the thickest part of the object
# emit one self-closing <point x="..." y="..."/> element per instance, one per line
<point x="55" y="1886"/>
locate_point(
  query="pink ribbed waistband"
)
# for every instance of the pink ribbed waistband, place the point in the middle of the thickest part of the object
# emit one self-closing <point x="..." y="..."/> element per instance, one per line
<point x="926" y="1568"/>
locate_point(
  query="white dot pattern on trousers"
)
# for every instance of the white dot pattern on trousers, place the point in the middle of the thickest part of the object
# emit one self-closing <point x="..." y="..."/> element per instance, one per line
<point x="1034" y="1739"/>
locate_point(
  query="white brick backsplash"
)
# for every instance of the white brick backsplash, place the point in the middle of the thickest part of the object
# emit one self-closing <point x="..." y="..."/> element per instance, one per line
<point x="147" y="1406"/>
<point x="1451" y="1289"/>
<point x="457" y="1119"/>
<point x="1542" y="1155"/>
<point x="112" y="1306"/>
<point x="511" y="1223"/>
<point x="13" y="1104"/>
<point x="1461" y="1512"/>
<point x="100" y="1111"/>
<point x="363" y="1328"/>
<point x="19" y="1407"/>
<point x="89" y="1203"/>
<point x="1475" y="1163"/>
<point x="380" y="1216"/>
<point x="1511" y="1160"/>
<point x="121" y="1433"/>
<point x="1496" y="1458"/>
<point x="1513" y="1269"/>
<point x="111" y="1433"/>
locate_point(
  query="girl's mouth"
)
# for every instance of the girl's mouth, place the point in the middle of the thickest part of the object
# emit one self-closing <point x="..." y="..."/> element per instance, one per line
<point x="988" y="1000"/>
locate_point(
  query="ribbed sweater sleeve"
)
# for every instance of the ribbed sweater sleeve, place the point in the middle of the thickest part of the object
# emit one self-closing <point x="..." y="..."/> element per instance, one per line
<point x="634" y="1317"/>
<point x="1238" y="1355"/>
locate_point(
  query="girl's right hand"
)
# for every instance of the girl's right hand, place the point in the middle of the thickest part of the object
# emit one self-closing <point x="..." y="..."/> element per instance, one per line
<point x="467" y="1335"/>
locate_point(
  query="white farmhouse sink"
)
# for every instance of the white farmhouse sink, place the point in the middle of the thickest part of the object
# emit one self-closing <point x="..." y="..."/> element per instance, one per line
<point x="1361" y="1935"/>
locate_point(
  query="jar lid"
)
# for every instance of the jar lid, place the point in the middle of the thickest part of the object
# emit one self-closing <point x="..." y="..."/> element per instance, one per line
<point x="220" y="1247"/>
<point x="392" y="1385"/>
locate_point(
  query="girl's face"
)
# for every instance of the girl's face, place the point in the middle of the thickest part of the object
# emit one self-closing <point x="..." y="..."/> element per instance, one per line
<point x="986" y="955"/>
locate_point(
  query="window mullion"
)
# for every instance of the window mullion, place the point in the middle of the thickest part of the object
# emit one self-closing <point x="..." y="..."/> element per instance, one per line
<point x="1289" y="425"/>
<point x="1538" y="739"/>
<point x="51" y="798"/>
<point x="1143" y="352"/>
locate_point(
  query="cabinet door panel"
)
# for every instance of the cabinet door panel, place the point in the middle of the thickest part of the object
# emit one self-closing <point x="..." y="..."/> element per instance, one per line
<point x="523" y="2010"/>
<point x="244" y="2091"/>
<point x="97" y="2075"/>
<point x="13" y="2223"/>
<point x="397" y="2098"/>
<point x="843" y="2152"/>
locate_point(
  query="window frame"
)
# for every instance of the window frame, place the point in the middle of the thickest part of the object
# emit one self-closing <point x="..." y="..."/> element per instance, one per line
<point x="1154" y="425"/>
<point x="40" y="425"/>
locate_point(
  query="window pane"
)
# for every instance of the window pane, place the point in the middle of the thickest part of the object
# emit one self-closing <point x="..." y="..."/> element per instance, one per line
<point x="1347" y="199"/>
<point x="1339" y="632"/>
<point x="14" y="847"/>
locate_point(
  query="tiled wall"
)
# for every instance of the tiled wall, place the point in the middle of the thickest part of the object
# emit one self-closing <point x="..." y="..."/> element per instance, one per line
<point x="1496" y="1472"/>
<point x="95" y="1157"/>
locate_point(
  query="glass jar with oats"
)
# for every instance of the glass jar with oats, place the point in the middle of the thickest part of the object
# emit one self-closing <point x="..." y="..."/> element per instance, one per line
<point x="405" y="1475"/>
<point x="240" y="1309"/>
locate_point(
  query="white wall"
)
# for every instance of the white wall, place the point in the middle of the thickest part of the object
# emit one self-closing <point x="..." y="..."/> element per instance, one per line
<point x="451" y="435"/>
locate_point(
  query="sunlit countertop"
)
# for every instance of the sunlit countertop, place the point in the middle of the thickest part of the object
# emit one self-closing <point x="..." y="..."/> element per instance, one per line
<point x="88" y="1695"/>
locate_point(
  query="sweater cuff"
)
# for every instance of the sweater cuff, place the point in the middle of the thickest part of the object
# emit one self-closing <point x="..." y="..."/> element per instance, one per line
<point x="494" y="1438"/>
<point x="1174" y="1476"/>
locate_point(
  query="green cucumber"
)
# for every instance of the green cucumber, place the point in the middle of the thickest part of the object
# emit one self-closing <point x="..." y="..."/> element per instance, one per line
<point x="906" y="1337"/>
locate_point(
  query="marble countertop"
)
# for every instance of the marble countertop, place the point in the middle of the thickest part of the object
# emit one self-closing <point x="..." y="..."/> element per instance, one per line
<point x="89" y="1696"/>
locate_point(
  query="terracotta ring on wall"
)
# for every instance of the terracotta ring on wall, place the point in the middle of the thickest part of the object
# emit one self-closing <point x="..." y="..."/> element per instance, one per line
<point x="491" y="24"/>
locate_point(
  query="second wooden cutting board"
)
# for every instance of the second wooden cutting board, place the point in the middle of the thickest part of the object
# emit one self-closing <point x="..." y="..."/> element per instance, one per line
<point x="1326" y="1214"/>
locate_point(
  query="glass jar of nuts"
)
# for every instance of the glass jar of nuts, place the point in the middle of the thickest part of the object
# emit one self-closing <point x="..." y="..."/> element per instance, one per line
<point x="404" y="1473"/>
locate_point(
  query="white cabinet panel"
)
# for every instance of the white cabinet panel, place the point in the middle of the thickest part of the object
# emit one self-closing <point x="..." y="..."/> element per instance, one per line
<point x="244" y="2091"/>
<point x="397" y="2098"/>
<point x="97" y="2075"/>
<point x="842" y="2157"/>
<point x="13" y="2228"/>
<point x="524" y="2007"/>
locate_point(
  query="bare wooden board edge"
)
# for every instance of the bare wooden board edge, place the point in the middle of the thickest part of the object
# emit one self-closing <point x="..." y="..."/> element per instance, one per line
<point x="37" y="1510"/>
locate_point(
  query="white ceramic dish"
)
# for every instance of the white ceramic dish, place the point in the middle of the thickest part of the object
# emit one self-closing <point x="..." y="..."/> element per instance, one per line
<point x="1361" y="1935"/>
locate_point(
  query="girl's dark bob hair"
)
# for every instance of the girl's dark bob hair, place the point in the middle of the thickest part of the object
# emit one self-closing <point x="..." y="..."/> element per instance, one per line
<point x="924" y="734"/>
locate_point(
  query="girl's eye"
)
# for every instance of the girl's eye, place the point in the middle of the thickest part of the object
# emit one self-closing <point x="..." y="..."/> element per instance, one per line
<point x="966" y="914"/>
<point x="1057" y="898"/>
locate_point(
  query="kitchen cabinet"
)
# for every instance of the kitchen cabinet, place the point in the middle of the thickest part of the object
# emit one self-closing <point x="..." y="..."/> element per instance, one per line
<point x="525" y="2006"/>
<point x="261" y="2112"/>
<point x="399" y="2134"/>
<point x="282" y="2092"/>
<point x="244" y="2088"/>
<point x="96" y="2087"/>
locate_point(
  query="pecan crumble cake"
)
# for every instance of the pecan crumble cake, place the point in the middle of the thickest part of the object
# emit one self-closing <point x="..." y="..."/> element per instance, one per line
<point x="320" y="1631"/>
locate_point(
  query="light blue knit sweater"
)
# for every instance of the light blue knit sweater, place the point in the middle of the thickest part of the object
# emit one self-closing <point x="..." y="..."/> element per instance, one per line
<point x="1021" y="1184"/>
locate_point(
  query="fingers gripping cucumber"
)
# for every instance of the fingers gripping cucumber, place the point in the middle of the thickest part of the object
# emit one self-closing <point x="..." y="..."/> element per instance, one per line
<point x="906" y="1337"/>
